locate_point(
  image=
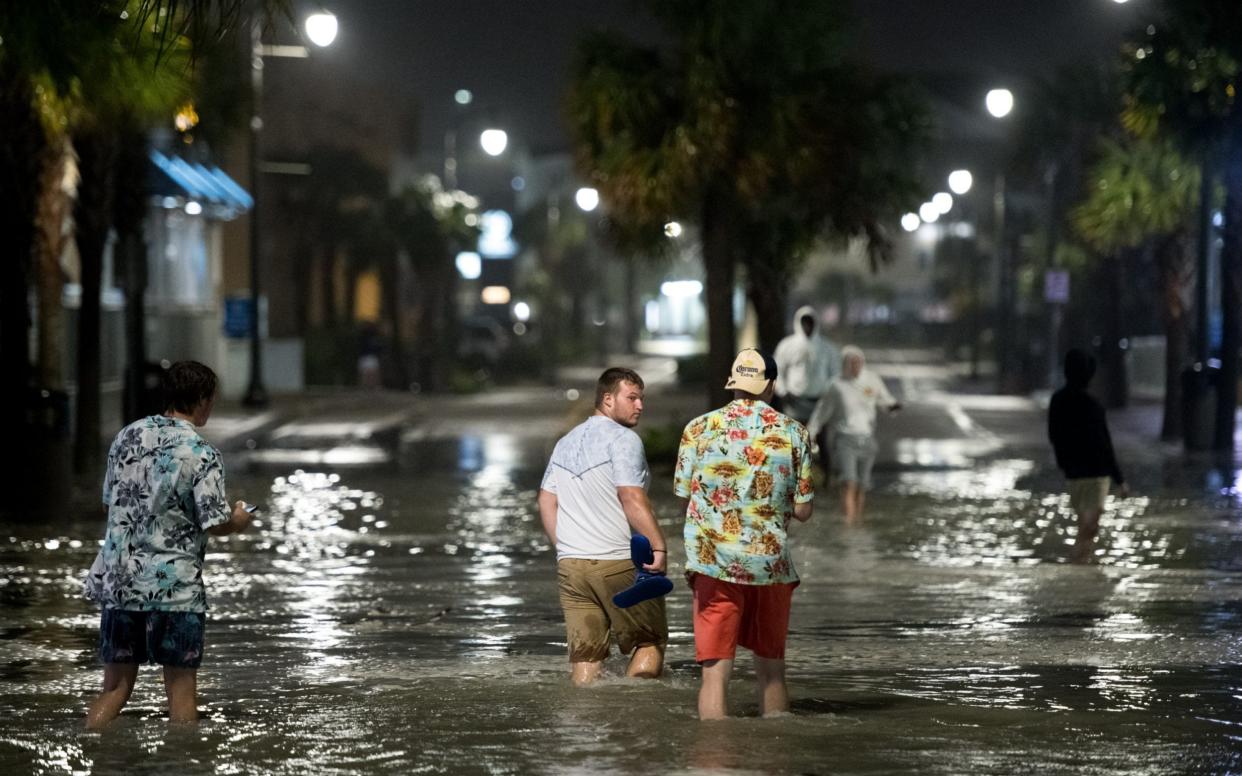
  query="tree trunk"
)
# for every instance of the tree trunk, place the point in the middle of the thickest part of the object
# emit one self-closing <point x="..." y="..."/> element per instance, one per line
<point x="769" y="293"/>
<point x="56" y="192"/>
<point x="1230" y="284"/>
<point x="1176" y="271"/>
<point x="21" y="156"/>
<point x="129" y="210"/>
<point x="390" y="278"/>
<point x="719" y="267"/>
<point x="93" y="216"/>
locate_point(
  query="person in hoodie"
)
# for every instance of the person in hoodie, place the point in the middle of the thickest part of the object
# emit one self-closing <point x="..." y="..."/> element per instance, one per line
<point x="1083" y="448"/>
<point x="806" y="364"/>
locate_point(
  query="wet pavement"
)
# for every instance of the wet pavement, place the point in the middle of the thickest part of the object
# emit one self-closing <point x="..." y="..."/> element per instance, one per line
<point x="396" y="611"/>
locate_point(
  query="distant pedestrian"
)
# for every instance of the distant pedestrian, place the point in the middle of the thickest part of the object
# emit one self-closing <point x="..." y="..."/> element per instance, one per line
<point x="592" y="500"/>
<point x="847" y="411"/>
<point x="164" y="493"/>
<point x="806" y="363"/>
<point x="1083" y="447"/>
<point x="745" y="471"/>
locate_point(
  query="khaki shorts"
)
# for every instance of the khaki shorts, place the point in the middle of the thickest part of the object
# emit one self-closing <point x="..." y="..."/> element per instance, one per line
<point x="592" y="623"/>
<point x="1087" y="494"/>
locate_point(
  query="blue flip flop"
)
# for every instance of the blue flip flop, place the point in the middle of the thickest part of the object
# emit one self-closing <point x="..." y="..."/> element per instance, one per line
<point x="647" y="584"/>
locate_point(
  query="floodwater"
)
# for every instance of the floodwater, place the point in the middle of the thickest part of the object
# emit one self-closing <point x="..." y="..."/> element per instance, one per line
<point x="403" y="619"/>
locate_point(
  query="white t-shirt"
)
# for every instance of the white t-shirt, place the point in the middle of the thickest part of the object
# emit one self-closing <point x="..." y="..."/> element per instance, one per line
<point x="587" y="466"/>
<point x="849" y="406"/>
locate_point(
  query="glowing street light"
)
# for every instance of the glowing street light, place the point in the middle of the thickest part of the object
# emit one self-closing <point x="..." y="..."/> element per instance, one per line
<point x="463" y="97"/>
<point x="672" y="229"/>
<point x="999" y="102"/>
<point x="587" y="198"/>
<point x="494" y="141"/>
<point x="911" y="221"/>
<point x="943" y="202"/>
<point x="960" y="181"/>
<point x="929" y="212"/>
<point x="321" y="28"/>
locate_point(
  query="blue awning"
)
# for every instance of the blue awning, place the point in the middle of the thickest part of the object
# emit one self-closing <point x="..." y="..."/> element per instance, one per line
<point x="172" y="176"/>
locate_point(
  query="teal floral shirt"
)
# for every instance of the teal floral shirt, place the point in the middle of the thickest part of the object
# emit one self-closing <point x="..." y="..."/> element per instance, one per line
<point x="743" y="467"/>
<point x="163" y="489"/>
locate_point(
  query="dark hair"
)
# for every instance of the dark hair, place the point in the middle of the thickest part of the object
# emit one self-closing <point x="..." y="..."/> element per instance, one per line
<point x="610" y="382"/>
<point x="1079" y="367"/>
<point x="185" y="384"/>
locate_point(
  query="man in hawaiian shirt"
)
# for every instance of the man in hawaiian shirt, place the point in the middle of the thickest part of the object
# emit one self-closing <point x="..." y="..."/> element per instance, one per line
<point x="164" y="492"/>
<point x="592" y="500"/>
<point x="745" y="470"/>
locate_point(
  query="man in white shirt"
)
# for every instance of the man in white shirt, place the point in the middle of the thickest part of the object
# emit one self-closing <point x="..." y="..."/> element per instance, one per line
<point x="848" y="411"/>
<point x="593" y="498"/>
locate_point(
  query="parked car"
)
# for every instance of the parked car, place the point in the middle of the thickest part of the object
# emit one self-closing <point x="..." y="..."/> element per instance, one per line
<point x="482" y="343"/>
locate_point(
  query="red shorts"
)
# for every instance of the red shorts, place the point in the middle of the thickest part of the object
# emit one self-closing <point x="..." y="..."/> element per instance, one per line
<point x="727" y="614"/>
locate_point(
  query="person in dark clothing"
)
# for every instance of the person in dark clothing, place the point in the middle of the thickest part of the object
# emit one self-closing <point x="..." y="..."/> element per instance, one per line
<point x="1083" y="448"/>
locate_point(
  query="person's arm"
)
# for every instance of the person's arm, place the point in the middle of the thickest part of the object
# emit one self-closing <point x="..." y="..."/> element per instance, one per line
<point x="239" y="520"/>
<point x="1106" y="449"/>
<point x="804" y="489"/>
<point x="547" y="514"/>
<point x="642" y="519"/>
<point x="886" y="399"/>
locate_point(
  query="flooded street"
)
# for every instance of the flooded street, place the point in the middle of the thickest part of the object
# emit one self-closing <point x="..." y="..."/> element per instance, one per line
<point x="401" y="616"/>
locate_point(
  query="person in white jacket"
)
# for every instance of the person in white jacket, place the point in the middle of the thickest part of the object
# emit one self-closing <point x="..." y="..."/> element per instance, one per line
<point x="847" y="411"/>
<point x="806" y="363"/>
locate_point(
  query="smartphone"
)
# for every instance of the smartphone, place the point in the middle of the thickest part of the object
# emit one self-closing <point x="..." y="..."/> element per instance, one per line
<point x="251" y="508"/>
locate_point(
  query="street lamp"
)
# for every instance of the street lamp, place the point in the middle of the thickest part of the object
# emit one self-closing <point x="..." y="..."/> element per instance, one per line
<point x="321" y="29"/>
<point x="960" y="181"/>
<point x="494" y="141"/>
<point x="999" y="102"/>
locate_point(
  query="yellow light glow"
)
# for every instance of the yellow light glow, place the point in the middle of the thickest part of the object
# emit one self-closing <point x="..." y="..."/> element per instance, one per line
<point x="186" y="118"/>
<point x="495" y="295"/>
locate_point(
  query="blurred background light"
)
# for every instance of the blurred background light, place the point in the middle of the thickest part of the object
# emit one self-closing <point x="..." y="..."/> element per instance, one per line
<point x="929" y="212"/>
<point x="463" y="96"/>
<point x="587" y="198"/>
<point x="521" y="311"/>
<point x="672" y="229"/>
<point x="910" y="221"/>
<point x="494" y="295"/>
<point x="469" y="265"/>
<point x="680" y="289"/>
<point x="321" y="28"/>
<point x="960" y="181"/>
<point x="494" y="141"/>
<point x="943" y="202"/>
<point x="999" y="102"/>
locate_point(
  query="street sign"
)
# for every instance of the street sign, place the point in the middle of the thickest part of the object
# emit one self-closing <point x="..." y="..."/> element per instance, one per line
<point x="237" y="316"/>
<point x="1056" y="286"/>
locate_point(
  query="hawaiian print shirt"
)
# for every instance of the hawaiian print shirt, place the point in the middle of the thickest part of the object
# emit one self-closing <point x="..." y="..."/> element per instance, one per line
<point x="163" y="489"/>
<point x="743" y="467"/>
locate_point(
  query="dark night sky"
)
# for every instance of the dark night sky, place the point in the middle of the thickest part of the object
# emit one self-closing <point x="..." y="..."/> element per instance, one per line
<point x="514" y="54"/>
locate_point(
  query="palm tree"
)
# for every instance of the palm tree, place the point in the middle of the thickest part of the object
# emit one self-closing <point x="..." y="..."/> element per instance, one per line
<point x="431" y="225"/>
<point x="1144" y="193"/>
<point x="1184" y="83"/>
<point x="753" y="125"/>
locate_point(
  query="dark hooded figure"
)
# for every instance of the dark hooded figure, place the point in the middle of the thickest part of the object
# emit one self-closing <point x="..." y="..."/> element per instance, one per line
<point x="1084" y="450"/>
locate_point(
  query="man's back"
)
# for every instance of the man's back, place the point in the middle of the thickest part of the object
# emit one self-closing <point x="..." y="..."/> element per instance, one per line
<point x="587" y="466"/>
<point x="742" y="467"/>
<point x="1079" y="435"/>
<point x="163" y="490"/>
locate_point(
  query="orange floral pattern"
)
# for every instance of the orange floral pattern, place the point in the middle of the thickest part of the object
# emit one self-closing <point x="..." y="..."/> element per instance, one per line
<point x="743" y="467"/>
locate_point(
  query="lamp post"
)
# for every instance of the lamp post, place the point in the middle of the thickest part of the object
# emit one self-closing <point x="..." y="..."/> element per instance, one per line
<point x="1000" y="103"/>
<point x="321" y="29"/>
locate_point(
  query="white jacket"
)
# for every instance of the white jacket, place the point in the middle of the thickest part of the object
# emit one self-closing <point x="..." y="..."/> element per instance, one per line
<point x="805" y="366"/>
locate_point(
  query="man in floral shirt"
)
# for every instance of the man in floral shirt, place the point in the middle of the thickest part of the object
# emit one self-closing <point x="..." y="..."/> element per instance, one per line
<point x="745" y="470"/>
<point x="164" y="492"/>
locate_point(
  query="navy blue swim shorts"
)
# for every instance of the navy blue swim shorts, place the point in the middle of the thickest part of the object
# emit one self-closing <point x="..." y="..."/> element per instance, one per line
<point x="169" y="638"/>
